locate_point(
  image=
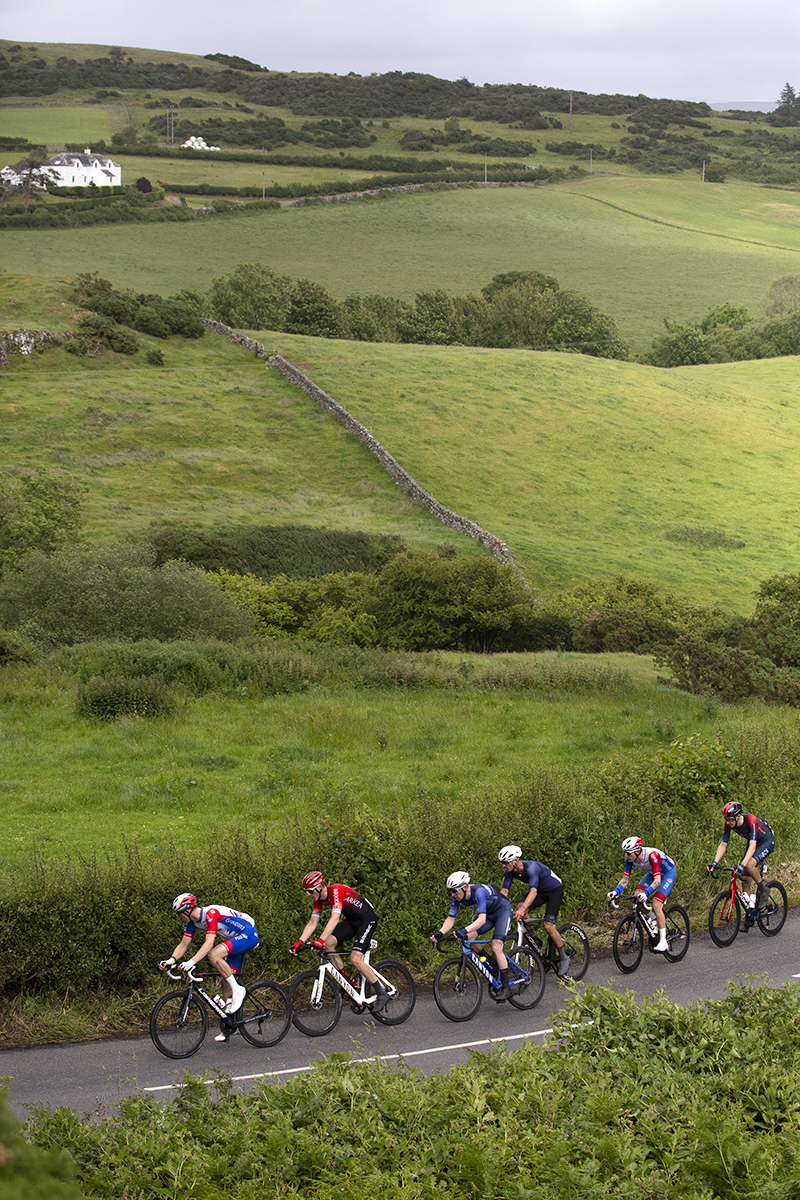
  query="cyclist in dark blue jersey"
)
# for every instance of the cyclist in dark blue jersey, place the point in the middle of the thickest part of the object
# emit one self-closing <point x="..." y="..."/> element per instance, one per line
<point x="760" y="842"/>
<point x="493" y="912"/>
<point x="543" y="886"/>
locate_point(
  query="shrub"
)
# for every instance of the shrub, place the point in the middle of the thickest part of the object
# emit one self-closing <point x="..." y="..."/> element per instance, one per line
<point x="16" y="648"/>
<point x="121" y="695"/>
<point x="155" y="358"/>
<point x="77" y="594"/>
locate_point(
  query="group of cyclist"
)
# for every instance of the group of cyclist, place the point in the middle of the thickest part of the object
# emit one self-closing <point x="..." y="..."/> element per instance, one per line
<point x="353" y="917"/>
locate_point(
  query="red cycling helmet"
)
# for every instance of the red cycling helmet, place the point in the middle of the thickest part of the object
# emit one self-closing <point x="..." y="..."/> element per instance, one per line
<point x="184" y="903"/>
<point x="730" y="812"/>
<point x="312" y="881"/>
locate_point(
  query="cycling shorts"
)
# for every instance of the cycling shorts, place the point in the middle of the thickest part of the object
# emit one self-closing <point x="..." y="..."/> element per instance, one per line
<point x="664" y="888"/>
<point x="239" y="945"/>
<point x="500" y="921"/>
<point x="361" y="931"/>
<point x="763" y="848"/>
<point x="553" y="900"/>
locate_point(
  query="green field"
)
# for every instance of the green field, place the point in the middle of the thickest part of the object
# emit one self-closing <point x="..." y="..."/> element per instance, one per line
<point x="57" y="125"/>
<point x="642" y="250"/>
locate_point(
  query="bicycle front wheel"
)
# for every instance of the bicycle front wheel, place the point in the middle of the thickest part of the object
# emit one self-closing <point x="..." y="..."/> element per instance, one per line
<point x="724" y="919"/>
<point x="678" y="932"/>
<point x="314" y="1011"/>
<point x="402" y="1003"/>
<point x="529" y="993"/>
<point x="266" y="1014"/>
<point x="457" y="989"/>
<point x="628" y="944"/>
<point x="577" y="946"/>
<point x="178" y="1024"/>
<point x="773" y="914"/>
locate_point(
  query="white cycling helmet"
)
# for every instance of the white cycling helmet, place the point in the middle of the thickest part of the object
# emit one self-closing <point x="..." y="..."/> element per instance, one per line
<point x="509" y="853"/>
<point x="459" y="879"/>
<point x="184" y="903"/>
<point x="632" y="844"/>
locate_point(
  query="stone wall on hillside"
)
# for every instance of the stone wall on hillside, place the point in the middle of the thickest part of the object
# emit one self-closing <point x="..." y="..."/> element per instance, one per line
<point x="379" y="452"/>
<point x="26" y="341"/>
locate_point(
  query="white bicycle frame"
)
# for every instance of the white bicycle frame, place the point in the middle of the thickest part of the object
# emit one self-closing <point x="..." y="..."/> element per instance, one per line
<point x="326" y="967"/>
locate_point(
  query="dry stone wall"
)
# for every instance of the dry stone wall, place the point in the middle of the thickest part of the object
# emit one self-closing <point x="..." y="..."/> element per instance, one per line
<point x="379" y="452"/>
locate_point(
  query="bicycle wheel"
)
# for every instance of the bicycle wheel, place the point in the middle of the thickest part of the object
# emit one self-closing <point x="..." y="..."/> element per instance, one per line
<point x="526" y="995"/>
<point x="771" y="918"/>
<point x="577" y="944"/>
<point x="678" y="932"/>
<point x="314" y="1018"/>
<point x="178" y="1024"/>
<point x="724" y="918"/>
<point x="628" y="944"/>
<point x="266" y="1013"/>
<point x="457" y="989"/>
<point x="401" y="1005"/>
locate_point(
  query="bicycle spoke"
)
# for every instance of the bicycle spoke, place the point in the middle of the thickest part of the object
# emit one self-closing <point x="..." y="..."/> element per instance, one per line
<point x="178" y="1025"/>
<point x="266" y="1013"/>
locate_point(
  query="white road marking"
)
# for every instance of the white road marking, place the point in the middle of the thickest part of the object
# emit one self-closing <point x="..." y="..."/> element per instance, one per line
<point x="511" y="1037"/>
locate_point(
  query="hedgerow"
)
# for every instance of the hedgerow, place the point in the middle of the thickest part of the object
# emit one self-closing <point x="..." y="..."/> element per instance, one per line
<point x="659" y="1100"/>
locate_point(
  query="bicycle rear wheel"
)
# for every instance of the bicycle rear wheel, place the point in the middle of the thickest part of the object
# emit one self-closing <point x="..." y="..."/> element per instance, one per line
<point x="628" y="944"/>
<point x="315" y="1017"/>
<point x="678" y="932"/>
<point x="771" y="918"/>
<point x="528" y="994"/>
<point x="401" y="1005"/>
<point x="266" y="1014"/>
<point x="724" y="918"/>
<point x="457" y="989"/>
<point x="178" y="1024"/>
<point x="577" y="946"/>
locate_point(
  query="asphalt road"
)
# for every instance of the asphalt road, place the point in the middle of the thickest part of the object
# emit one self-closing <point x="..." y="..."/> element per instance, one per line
<point x="93" y="1076"/>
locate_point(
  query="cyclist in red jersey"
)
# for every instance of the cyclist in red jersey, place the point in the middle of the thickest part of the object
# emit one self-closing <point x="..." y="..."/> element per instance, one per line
<point x="760" y="843"/>
<point x="352" y="916"/>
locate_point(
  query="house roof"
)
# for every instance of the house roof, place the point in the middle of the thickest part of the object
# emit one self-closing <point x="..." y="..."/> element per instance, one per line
<point x="70" y="158"/>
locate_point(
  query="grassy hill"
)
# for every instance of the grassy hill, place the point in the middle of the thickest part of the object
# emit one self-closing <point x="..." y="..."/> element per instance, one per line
<point x="587" y="468"/>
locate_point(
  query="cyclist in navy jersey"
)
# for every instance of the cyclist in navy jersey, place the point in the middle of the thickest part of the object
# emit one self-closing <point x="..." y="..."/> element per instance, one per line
<point x="659" y="875"/>
<point x="352" y="916"/>
<point x="543" y="886"/>
<point x="493" y="912"/>
<point x="215" y="920"/>
<point x="760" y="843"/>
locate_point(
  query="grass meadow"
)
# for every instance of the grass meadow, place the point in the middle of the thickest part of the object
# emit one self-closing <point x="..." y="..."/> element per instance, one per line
<point x="643" y="251"/>
<point x="73" y="786"/>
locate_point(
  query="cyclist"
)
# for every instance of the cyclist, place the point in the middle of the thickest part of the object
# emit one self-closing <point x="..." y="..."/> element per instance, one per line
<point x="493" y="912"/>
<point x="660" y="874"/>
<point x="215" y="920"/>
<point x="353" y="917"/>
<point x="544" y="887"/>
<point x="760" y="842"/>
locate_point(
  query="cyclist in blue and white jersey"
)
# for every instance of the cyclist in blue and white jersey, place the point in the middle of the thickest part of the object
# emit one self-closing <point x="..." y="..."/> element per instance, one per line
<point x="236" y="928"/>
<point x="493" y="912"/>
<point x="760" y="842"/>
<point x="543" y="887"/>
<point x="659" y="873"/>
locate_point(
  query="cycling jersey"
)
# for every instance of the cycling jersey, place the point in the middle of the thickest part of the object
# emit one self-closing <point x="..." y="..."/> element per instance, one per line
<point x="535" y="875"/>
<point x="237" y="928"/>
<point x="653" y="862"/>
<point x="217" y="918"/>
<point x="351" y="903"/>
<point x="751" y="829"/>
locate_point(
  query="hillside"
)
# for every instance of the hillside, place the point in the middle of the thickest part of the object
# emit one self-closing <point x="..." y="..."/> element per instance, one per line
<point x="586" y="468"/>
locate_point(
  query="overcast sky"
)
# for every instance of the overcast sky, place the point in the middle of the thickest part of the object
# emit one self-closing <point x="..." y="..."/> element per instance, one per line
<point x="711" y="50"/>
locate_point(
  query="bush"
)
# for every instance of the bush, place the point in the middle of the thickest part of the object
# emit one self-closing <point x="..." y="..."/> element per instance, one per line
<point x="16" y="648"/>
<point x="76" y="595"/>
<point x="31" y="1172"/>
<point x="119" y="696"/>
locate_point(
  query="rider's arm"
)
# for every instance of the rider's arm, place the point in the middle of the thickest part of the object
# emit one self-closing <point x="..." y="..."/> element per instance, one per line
<point x="210" y="938"/>
<point x="335" y="918"/>
<point x="524" y="905"/>
<point x="313" y="921"/>
<point x="182" y="946"/>
<point x="720" y="851"/>
<point x="448" y="925"/>
<point x="751" y="849"/>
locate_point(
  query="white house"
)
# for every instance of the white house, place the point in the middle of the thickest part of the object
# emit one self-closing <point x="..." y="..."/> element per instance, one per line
<point x="68" y="169"/>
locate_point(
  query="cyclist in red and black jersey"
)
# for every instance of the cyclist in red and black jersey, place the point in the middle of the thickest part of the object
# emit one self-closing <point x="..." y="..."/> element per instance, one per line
<point x="760" y="842"/>
<point x="353" y="917"/>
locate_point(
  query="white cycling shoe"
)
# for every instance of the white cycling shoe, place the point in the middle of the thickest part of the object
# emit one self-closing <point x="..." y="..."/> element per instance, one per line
<point x="221" y="1037"/>
<point x="663" y="944"/>
<point x="238" y="994"/>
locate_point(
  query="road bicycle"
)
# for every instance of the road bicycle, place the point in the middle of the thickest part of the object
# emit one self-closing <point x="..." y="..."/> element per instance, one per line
<point x="179" y="1020"/>
<point x="317" y="994"/>
<point x="735" y="908"/>
<point x="458" y="983"/>
<point x="576" y="944"/>
<point x="638" y="929"/>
